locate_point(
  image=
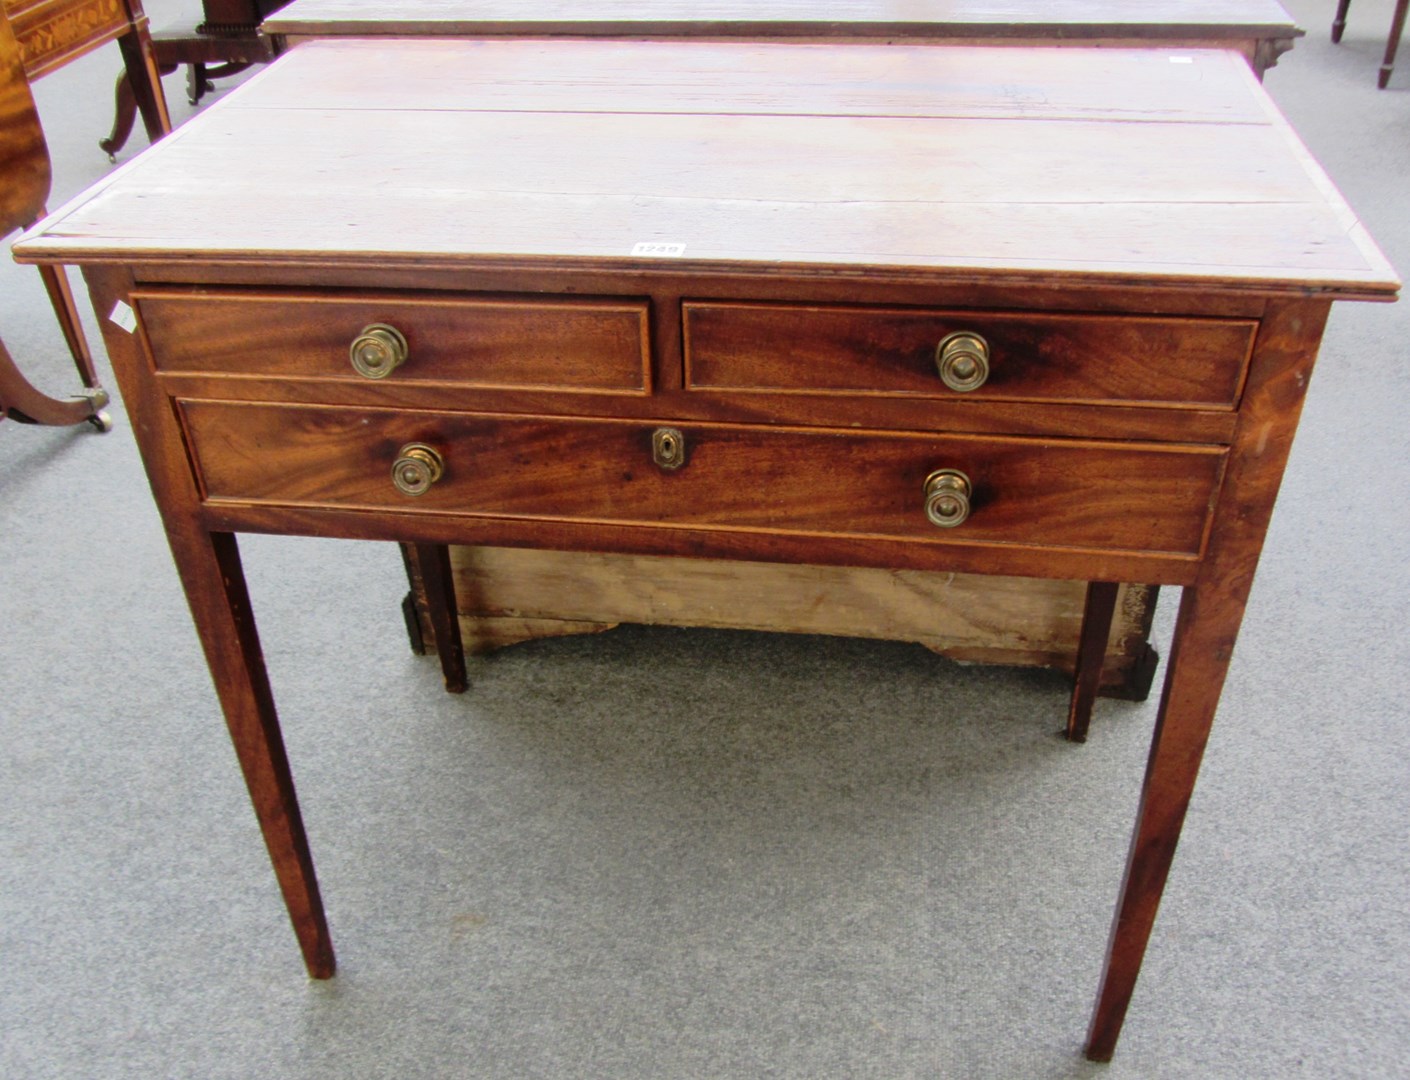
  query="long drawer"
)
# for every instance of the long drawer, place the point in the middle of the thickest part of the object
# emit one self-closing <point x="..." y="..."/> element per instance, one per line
<point x="836" y="349"/>
<point x="589" y="344"/>
<point x="1047" y="493"/>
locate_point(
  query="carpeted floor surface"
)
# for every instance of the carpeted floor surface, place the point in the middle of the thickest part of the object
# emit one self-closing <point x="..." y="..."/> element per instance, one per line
<point x="664" y="853"/>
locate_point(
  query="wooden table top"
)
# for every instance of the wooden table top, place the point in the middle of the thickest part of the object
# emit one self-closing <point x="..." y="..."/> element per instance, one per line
<point x="754" y="18"/>
<point x="1139" y="167"/>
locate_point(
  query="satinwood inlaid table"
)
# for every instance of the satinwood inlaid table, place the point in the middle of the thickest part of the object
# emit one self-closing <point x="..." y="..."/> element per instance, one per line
<point x="730" y="301"/>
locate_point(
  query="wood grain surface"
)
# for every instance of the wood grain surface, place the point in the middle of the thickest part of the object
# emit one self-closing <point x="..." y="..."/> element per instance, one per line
<point x="753" y="170"/>
<point x="1154" y="18"/>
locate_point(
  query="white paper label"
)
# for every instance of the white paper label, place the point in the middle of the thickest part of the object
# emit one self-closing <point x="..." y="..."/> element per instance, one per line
<point x="650" y="249"/>
<point x="1182" y="59"/>
<point x="123" y="316"/>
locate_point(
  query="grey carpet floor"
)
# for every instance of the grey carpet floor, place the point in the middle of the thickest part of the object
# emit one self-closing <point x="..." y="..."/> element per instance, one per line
<point x="666" y="853"/>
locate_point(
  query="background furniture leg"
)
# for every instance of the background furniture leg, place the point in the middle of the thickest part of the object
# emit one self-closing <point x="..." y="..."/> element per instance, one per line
<point x="1397" y="28"/>
<point x="21" y="401"/>
<point x="144" y="79"/>
<point x="1091" y="651"/>
<point x="1339" y="20"/>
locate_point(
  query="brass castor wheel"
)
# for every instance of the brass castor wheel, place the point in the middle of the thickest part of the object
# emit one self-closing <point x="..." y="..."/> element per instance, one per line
<point x="102" y="421"/>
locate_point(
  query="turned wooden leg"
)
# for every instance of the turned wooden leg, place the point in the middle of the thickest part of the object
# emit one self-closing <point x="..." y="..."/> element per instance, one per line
<point x="1397" y="28"/>
<point x="209" y="565"/>
<point x="431" y="563"/>
<point x="1091" y="652"/>
<point x="1339" y="20"/>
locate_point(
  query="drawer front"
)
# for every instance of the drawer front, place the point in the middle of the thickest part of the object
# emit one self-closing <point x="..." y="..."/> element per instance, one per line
<point x="1057" y="494"/>
<point x="1087" y="359"/>
<point x="570" y="345"/>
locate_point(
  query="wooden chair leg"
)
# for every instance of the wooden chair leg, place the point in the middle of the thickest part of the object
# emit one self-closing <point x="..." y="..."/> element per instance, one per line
<point x="1339" y="20"/>
<point x="1091" y="652"/>
<point x="1397" y="28"/>
<point x="431" y="563"/>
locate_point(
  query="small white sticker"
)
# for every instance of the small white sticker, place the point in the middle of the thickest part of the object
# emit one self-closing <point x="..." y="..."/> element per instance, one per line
<point x="123" y="316"/>
<point x="652" y="250"/>
<point x="1182" y="59"/>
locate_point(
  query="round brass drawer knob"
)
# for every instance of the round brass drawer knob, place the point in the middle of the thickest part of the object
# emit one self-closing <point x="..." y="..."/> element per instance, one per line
<point x="947" y="493"/>
<point x="416" y="468"/>
<point x="378" y="351"/>
<point x="963" y="361"/>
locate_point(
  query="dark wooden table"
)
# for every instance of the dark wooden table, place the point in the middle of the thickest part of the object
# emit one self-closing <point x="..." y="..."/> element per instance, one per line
<point x="715" y="334"/>
<point x="1260" y="29"/>
<point x="503" y="596"/>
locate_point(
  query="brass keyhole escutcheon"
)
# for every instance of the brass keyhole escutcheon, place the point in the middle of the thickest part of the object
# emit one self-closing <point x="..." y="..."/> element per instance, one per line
<point x="416" y="468"/>
<point x="668" y="447"/>
<point x="962" y="359"/>
<point x="378" y="351"/>
<point x="947" y="494"/>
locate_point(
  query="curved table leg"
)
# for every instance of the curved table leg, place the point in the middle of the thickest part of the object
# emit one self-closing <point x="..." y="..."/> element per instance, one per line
<point x="21" y="401"/>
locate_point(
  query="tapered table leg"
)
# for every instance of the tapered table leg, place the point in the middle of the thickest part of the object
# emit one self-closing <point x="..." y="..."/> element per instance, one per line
<point x="432" y="564"/>
<point x="1091" y="652"/>
<point x="1199" y="659"/>
<point x="209" y="564"/>
<point x="1211" y="611"/>
<point x="214" y="581"/>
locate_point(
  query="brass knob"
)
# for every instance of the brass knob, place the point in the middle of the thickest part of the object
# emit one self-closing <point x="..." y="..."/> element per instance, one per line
<point x="416" y="468"/>
<point x="947" y="494"/>
<point x="963" y="361"/>
<point x="378" y="351"/>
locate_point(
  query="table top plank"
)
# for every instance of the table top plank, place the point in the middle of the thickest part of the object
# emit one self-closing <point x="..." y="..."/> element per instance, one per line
<point x="744" y="177"/>
<point x="1151" y="19"/>
<point x="565" y="76"/>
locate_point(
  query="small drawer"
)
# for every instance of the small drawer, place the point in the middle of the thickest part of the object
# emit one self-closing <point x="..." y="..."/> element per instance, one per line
<point x="1070" y="494"/>
<point x="597" y="345"/>
<point x="1082" y="359"/>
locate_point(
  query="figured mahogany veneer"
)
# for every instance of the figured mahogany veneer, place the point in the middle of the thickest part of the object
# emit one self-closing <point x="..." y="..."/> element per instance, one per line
<point x="572" y="345"/>
<point x="1075" y="495"/>
<point x="1068" y="358"/>
<point x="747" y="251"/>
